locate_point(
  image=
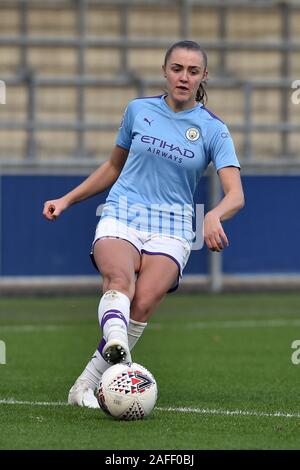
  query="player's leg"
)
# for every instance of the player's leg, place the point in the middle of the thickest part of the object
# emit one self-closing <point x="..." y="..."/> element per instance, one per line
<point x="117" y="260"/>
<point x="148" y="294"/>
<point x="158" y="274"/>
<point x="162" y="263"/>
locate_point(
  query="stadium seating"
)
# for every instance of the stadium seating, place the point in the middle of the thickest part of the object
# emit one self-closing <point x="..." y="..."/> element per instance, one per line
<point x="42" y="43"/>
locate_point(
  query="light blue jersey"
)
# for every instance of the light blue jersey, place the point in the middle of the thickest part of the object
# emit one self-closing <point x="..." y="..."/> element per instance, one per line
<point x="168" y="154"/>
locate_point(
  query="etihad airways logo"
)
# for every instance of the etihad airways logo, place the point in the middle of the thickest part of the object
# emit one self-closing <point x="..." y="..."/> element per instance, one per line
<point x="164" y="145"/>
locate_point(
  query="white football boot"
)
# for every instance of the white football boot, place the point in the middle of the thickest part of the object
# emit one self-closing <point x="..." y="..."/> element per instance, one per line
<point x="116" y="351"/>
<point x="81" y="394"/>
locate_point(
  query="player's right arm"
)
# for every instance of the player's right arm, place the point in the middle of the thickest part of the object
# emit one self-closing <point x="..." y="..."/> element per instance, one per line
<point x="101" y="179"/>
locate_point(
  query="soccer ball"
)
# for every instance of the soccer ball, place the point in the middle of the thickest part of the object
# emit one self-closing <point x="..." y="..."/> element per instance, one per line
<point x="127" y="392"/>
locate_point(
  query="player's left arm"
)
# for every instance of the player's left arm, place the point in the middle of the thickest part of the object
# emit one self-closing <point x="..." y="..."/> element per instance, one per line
<point x="232" y="202"/>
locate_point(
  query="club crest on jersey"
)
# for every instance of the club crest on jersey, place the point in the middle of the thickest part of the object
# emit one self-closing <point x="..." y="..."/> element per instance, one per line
<point x="192" y="134"/>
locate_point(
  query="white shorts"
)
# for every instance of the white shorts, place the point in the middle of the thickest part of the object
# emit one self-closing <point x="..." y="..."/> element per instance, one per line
<point x="176" y="248"/>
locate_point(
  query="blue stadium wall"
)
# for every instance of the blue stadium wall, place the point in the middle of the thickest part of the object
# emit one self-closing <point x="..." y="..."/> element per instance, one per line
<point x="263" y="236"/>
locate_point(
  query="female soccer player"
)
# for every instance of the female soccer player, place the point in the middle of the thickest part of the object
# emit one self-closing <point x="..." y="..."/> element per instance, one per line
<point x="144" y="236"/>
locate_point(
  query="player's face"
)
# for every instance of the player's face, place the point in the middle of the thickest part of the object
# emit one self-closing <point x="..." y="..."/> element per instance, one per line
<point x="184" y="71"/>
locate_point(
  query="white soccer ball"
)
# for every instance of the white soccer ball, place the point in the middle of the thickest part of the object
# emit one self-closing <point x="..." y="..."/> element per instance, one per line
<point x="127" y="392"/>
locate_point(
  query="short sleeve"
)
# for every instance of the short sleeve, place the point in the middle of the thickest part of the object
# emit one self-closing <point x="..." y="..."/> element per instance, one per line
<point x="222" y="150"/>
<point x="124" y="135"/>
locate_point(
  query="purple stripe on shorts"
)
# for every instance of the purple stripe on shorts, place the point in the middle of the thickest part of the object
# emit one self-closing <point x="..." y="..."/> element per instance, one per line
<point x="163" y="254"/>
<point x="101" y="345"/>
<point x="112" y="314"/>
<point x="113" y="237"/>
<point x="176" y="285"/>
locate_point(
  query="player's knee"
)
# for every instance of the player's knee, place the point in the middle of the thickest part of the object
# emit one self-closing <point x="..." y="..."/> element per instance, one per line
<point x="120" y="282"/>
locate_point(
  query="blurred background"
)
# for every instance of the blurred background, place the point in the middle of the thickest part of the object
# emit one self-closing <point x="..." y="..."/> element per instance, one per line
<point x="68" y="69"/>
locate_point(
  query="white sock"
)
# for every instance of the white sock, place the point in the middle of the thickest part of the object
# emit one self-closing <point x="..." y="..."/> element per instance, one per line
<point x="134" y="332"/>
<point x="94" y="370"/>
<point x="113" y="314"/>
<point x="97" y="365"/>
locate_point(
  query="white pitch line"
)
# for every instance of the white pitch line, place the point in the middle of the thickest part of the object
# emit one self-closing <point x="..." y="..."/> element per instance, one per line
<point x="159" y="326"/>
<point x="229" y="324"/>
<point x="202" y="411"/>
<point x="207" y="411"/>
<point x="244" y="324"/>
<point x="11" y="401"/>
<point x="29" y="328"/>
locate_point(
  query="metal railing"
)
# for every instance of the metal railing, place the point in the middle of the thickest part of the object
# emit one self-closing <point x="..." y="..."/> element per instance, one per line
<point x="33" y="81"/>
<point x="124" y="43"/>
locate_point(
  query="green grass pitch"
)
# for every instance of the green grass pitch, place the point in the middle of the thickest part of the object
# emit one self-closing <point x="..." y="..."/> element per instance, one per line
<point x="222" y="363"/>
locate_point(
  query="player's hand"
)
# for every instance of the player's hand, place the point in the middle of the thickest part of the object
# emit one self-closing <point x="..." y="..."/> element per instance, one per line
<point x="214" y="235"/>
<point x="53" y="209"/>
